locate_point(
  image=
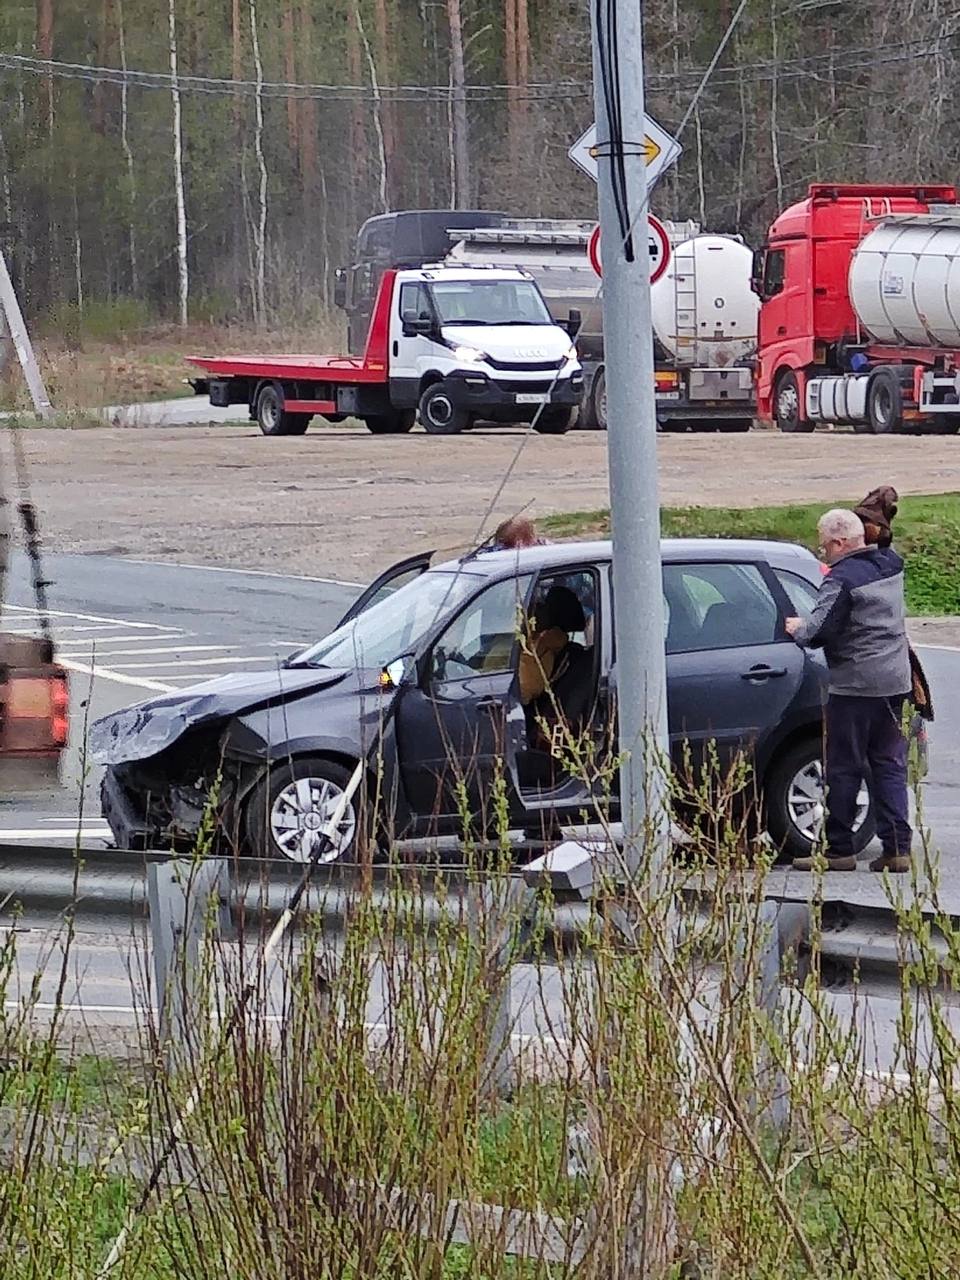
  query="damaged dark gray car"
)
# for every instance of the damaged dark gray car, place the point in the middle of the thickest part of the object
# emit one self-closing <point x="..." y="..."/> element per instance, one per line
<point x="424" y="676"/>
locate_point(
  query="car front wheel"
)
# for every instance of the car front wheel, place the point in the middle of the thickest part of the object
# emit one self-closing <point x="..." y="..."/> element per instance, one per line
<point x="291" y="805"/>
<point x="795" y="803"/>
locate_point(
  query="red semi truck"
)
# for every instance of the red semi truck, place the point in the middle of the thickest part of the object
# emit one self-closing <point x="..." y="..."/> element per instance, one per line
<point x="860" y="315"/>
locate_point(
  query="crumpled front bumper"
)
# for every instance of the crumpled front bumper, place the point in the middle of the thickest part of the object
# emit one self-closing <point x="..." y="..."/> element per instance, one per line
<point x="167" y="817"/>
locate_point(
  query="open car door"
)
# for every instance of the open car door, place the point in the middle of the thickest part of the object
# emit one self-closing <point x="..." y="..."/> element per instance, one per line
<point x="398" y="575"/>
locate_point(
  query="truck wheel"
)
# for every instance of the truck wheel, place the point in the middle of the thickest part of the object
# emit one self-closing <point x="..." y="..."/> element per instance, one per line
<point x="554" y="422"/>
<point x="272" y="417"/>
<point x="598" y="400"/>
<point x="884" y="402"/>
<point x="390" y="424"/>
<point x="787" y="409"/>
<point x="438" y="413"/>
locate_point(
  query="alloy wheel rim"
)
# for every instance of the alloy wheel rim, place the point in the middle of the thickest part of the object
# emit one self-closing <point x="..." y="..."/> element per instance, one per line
<point x="805" y="802"/>
<point x="441" y="411"/>
<point x="301" y="811"/>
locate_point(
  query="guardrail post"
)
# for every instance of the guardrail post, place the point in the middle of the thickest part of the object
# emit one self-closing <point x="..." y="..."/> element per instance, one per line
<point x="783" y="926"/>
<point x="179" y="894"/>
<point x="495" y="912"/>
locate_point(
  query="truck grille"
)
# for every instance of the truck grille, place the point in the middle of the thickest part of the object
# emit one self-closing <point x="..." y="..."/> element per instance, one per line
<point x="528" y="366"/>
<point x="513" y="385"/>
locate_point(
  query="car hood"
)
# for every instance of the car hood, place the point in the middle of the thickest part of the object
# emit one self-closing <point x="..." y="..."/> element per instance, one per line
<point x="144" y="730"/>
<point x="515" y="342"/>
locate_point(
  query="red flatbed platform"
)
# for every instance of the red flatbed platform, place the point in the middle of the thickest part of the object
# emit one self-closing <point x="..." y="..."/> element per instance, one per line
<point x="303" y="368"/>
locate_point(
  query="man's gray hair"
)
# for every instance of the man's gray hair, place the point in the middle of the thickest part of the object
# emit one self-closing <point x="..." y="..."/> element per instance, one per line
<point x="841" y="523"/>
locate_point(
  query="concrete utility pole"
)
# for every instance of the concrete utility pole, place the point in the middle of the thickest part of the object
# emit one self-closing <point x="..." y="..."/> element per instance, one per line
<point x="631" y="434"/>
<point x="10" y="307"/>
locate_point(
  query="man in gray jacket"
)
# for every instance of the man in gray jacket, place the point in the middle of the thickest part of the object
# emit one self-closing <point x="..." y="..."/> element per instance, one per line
<point x="859" y="622"/>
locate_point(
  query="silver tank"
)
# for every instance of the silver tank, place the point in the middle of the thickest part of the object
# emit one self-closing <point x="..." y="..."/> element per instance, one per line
<point x="554" y="251"/>
<point x="904" y="281"/>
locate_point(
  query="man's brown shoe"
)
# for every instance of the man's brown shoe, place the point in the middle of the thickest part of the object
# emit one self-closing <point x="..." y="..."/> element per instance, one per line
<point x="848" y="863"/>
<point x="897" y="862"/>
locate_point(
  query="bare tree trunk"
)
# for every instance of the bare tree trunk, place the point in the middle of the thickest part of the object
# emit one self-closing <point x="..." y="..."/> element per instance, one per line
<point x="260" y="242"/>
<point x="377" y="110"/>
<point x="5" y="180"/>
<point x="357" y="147"/>
<point x="388" y="111"/>
<point x="701" y="184"/>
<point x="290" y="74"/>
<point x="45" y="50"/>
<point x="182" y="265"/>
<point x="461" y="146"/>
<point x="77" y="247"/>
<point x="128" y="155"/>
<point x="236" y="44"/>
<point x="510" y="43"/>
<point x="523" y="67"/>
<point x="775" y="104"/>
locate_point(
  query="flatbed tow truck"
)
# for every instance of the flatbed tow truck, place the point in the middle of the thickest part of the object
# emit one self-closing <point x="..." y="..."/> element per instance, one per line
<point x="454" y="345"/>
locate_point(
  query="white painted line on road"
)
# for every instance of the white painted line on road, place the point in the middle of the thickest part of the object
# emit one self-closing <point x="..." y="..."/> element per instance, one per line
<point x="92" y="617"/>
<point x="99" y="641"/>
<point x="170" y="648"/>
<point x="103" y="673"/>
<point x="191" y="662"/>
<point x="943" y="648"/>
<point x="250" y="573"/>
<point x="44" y="833"/>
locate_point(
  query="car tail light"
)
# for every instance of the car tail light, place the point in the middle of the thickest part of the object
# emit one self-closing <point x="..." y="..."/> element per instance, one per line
<point x="36" y="706"/>
<point x="666" y="379"/>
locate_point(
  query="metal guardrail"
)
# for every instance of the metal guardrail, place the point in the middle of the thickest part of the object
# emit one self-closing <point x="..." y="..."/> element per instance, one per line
<point x="107" y="888"/>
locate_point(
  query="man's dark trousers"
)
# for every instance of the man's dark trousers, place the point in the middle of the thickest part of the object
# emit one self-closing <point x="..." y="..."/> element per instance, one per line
<point x="865" y="739"/>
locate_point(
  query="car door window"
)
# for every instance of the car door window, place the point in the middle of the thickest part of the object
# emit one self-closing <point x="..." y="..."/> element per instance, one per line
<point x="801" y="593"/>
<point x="481" y="639"/>
<point x="718" y="606"/>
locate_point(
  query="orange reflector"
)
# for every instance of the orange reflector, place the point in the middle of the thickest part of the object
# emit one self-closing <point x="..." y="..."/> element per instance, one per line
<point x="36" y="711"/>
<point x="666" y="379"/>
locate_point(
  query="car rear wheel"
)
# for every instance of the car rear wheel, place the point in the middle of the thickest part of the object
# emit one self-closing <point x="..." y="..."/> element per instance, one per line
<point x="291" y="805"/>
<point x="794" y="801"/>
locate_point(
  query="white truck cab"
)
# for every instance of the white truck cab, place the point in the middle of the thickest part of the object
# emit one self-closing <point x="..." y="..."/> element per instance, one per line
<point x="468" y="343"/>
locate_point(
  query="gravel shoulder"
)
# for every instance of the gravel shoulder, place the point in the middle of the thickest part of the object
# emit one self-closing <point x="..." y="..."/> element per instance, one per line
<point x="343" y="504"/>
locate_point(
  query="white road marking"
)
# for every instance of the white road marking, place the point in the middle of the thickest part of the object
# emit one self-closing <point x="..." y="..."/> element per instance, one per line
<point x="943" y="648"/>
<point x="250" y="573"/>
<point x="104" y="673"/>
<point x="191" y="662"/>
<point x="91" y="617"/>
<point x="42" y="833"/>
<point x="77" y="643"/>
<point x="175" y="648"/>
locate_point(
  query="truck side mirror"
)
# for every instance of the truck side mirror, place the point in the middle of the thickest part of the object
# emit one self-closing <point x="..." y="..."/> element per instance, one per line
<point x="415" y="325"/>
<point x="340" y="288"/>
<point x="756" y="279"/>
<point x="574" y="321"/>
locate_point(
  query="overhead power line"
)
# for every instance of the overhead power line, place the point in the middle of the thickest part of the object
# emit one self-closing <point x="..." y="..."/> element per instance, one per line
<point x="838" y="63"/>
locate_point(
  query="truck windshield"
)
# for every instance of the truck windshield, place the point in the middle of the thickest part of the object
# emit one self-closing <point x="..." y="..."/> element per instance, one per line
<point x="394" y="626"/>
<point x="489" y="302"/>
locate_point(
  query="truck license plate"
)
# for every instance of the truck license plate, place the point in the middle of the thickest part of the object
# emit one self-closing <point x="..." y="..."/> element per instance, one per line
<point x="532" y="397"/>
<point x="668" y="395"/>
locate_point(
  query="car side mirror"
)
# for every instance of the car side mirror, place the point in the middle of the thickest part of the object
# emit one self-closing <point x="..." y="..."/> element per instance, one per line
<point x="340" y="288"/>
<point x="398" y="673"/>
<point x="574" y="321"/>
<point x="416" y="325"/>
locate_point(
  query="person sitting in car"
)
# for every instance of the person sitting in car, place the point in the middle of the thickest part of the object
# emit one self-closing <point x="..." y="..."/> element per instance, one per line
<point x="556" y="617"/>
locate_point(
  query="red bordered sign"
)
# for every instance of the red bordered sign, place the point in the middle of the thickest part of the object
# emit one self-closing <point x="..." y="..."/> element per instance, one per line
<point x="659" y="249"/>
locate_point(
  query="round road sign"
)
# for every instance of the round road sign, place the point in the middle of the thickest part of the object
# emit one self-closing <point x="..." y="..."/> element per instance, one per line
<point x="659" y="249"/>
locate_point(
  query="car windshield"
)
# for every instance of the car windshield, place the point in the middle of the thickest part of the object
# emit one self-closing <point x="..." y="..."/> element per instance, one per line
<point x="395" y="625"/>
<point x="486" y="302"/>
